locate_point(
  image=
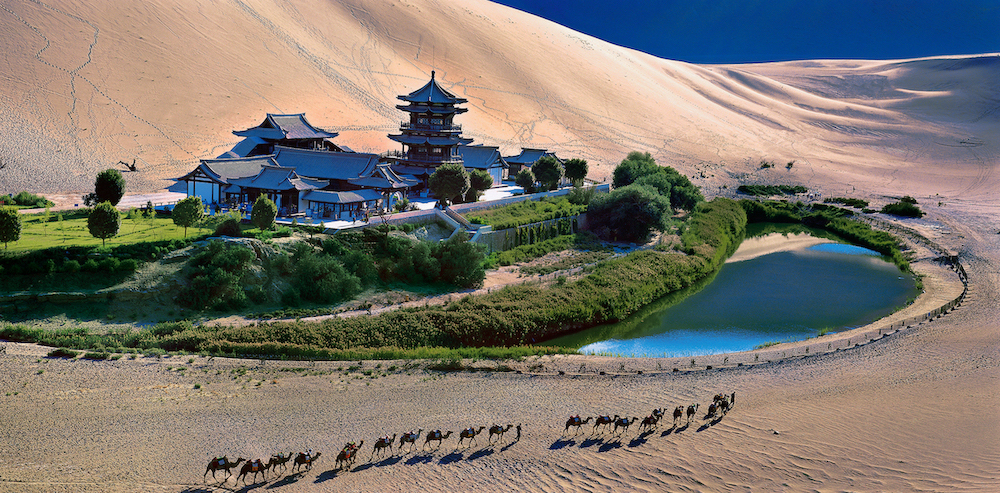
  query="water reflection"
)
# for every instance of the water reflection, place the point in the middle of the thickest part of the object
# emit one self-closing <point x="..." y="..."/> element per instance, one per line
<point x="787" y="295"/>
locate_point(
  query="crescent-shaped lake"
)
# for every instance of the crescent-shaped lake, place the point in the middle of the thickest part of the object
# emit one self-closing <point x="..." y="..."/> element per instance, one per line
<point x="776" y="287"/>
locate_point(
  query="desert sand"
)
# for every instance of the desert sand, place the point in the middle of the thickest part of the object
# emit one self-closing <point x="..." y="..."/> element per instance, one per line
<point x="166" y="82"/>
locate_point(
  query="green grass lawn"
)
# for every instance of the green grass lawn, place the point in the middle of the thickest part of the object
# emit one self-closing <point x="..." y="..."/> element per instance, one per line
<point x="72" y="231"/>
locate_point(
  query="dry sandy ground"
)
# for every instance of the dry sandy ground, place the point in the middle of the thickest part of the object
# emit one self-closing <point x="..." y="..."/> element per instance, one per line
<point x="915" y="411"/>
<point x="85" y="84"/>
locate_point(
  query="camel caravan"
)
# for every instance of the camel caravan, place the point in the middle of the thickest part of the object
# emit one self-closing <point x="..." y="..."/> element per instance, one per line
<point x="303" y="461"/>
<point x="617" y="425"/>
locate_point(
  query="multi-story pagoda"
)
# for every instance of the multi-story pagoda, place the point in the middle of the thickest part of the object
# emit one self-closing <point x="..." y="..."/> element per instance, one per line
<point x="430" y="138"/>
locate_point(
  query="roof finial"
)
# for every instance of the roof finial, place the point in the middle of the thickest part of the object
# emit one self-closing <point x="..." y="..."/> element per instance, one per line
<point x="432" y="75"/>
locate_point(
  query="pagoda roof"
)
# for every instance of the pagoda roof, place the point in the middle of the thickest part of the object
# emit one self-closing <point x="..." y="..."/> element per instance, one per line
<point x="326" y="165"/>
<point x="243" y="148"/>
<point x="222" y="170"/>
<point x="278" y="178"/>
<point x="351" y="197"/>
<point x="384" y="178"/>
<point x="279" y="127"/>
<point x="410" y="139"/>
<point x="529" y="156"/>
<point x="423" y="108"/>
<point x="432" y="92"/>
<point x="481" y="157"/>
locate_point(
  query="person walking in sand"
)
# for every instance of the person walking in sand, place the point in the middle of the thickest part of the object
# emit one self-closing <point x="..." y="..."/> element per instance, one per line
<point x="518" y="437"/>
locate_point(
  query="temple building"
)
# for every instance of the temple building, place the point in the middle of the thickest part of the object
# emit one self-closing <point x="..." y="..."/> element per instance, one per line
<point x="300" y="168"/>
<point x="431" y="137"/>
<point x="282" y="130"/>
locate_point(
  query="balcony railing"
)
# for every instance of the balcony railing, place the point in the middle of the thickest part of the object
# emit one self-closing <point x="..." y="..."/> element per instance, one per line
<point x="427" y="127"/>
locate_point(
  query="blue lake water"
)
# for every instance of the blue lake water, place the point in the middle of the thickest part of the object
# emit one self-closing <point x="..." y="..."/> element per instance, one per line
<point x="782" y="296"/>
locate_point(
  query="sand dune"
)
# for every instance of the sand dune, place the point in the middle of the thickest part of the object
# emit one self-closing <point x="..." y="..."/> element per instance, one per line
<point x="166" y="83"/>
<point x="85" y="85"/>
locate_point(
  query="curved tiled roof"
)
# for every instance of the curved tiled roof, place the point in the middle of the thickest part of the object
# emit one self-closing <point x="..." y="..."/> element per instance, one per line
<point x="278" y="127"/>
<point x="328" y="197"/>
<point x="432" y="92"/>
<point x="326" y="165"/>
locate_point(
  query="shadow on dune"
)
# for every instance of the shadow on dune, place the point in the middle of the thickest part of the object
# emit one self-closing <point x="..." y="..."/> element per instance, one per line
<point x="481" y="453"/>
<point x="590" y="442"/>
<point x="423" y="458"/>
<point x="668" y="431"/>
<point x="560" y="443"/>
<point x="709" y="424"/>
<point x="289" y="479"/>
<point x="639" y="440"/>
<point x="452" y="457"/>
<point x="609" y="446"/>
<point x="198" y="490"/>
<point x="324" y="476"/>
<point x="509" y="445"/>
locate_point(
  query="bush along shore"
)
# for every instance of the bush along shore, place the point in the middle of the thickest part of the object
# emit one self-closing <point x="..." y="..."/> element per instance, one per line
<point x="495" y="325"/>
<point x="833" y="219"/>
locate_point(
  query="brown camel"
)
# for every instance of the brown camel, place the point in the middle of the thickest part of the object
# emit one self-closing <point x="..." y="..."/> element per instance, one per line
<point x="280" y="460"/>
<point x="658" y="413"/>
<point x="381" y="444"/>
<point x="305" y="460"/>
<point x="678" y="412"/>
<point x="435" y="435"/>
<point x="624" y="423"/>
<point x="603" y="421"/>
<point x="410" y="438"/>
<point x="711" y="411"/>
<point x="223" y="464"/>
<point x="348" y="454"/>
<point x="498" y="431"/>
<point x="255" y="466"/>
<point x="693" y="408"/>
<point x="577" y="422"/>
<point x="649" y="422"/>
<point x="469" y="433"/>
<point x="724" y="405"/>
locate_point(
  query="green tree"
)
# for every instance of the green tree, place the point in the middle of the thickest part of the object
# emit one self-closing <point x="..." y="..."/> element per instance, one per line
<point x="10" y="225"/>
<point x="104" y="221"/>
<point x="46" y="216"/>
<point x="479" y="181"/>
<point x="548" y="172"/>
<point x="449" y="181"/>
<point x="263" y="213"/>
<point x="576" y="170"/>
<point x="629" y="213"/>
<point x="526" y="180"/>
<point x="461" y="262"/>
<point x="635" y="165"/>
<point x="641" y="166"/>
<point x="188" y="212"/>
<point x="109" y="186"/>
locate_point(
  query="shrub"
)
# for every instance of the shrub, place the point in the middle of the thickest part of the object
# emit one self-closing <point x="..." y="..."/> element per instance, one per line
<point x="629" y="213"/>
<point x="71" y="266"/>
<point x="229" y="227"/>
<point x="89" y="266"/>
<point x="263" y="213"/>
<point x="903" y="209"/>
<point x="62" y="353"/>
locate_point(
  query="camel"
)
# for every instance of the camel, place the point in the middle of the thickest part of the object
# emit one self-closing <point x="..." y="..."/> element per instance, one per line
<point x="280" y="460"/>
<point x="711" y="410"/>
<point x="693" y="408"/>
<point x="305" y="460"/>
<point x="469" y="433"/>
<point x="255" y="466"/>
<point x="381" y="444"/>
<point x="498" y="431"/>
<point x="603" y="421"/>
<point x="624" y="423"/>
<point x="222" y="463"/>
<point x="678" y="412"/>
<point x="724" y="405"/>
<point x="410" y="438"/>
<point x="658" y="413"/>
<point x="348" y="454"/>
<point x="436" y="435"/>
<point x="649" y="422"/>
<point x="577" y="422"/>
